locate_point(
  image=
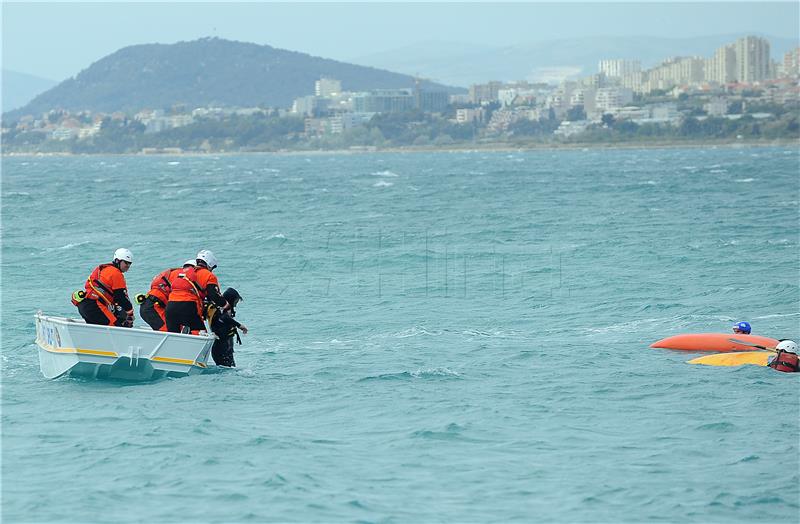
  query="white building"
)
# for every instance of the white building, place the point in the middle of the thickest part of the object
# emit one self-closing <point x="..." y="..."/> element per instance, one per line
<point x="567" y="128"/>
<point x="305" y="105"/>
<point x="327" y="87"/>
<point x="63" y="133"/>
<point x="752" y="59"/>
<point x="664" y="113"/>
<point x="608" y="99"/>
<point x="467" y="116"/>
<point x="721" y="68"/>
<point x="618" y="68"/>
<point x="344" y="121"/>
<point x="717" y="106"/>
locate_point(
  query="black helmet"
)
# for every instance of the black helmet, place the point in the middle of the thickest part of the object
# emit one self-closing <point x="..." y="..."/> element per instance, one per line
<point x="232" y="296"/>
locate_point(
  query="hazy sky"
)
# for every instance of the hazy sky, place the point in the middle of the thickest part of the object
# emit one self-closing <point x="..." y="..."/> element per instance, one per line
<point x="57" y="40"/>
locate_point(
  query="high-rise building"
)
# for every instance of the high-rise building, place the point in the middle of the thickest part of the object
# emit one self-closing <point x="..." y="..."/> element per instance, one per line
<point x="676" y="71"/>
<point x="617" y="68"/>
<point x="721" y="68"/>
<point x="480" y="93"/>
<point x="752" y="59"/>
<point x="791" y="63"/>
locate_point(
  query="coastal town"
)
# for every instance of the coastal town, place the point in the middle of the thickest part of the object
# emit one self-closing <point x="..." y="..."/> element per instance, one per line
<point x="737" y="93"/>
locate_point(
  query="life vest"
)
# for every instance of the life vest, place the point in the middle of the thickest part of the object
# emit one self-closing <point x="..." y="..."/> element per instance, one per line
<point x="98" y="288"/>
<point x="786" y="362"/>
<point x="160" y="287"/>
<point x="185" y="288"/>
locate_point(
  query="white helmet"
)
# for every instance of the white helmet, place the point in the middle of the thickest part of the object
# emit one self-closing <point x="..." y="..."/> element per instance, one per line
<point x="189" y="262"/>
<point x="788" y="346"/>
<point x="123" y="254"/>
<point x="208" y="257"/>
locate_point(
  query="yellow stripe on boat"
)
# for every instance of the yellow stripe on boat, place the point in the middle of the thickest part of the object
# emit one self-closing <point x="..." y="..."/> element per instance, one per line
<point x="99" y="352"/>
<point x="178" y="361"/>
<point x="756" y="358"/>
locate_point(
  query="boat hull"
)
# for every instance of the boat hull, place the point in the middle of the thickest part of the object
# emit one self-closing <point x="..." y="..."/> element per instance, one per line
<point x="717" y="342"/>
<point x="69" y="346"/>
<point x="755" y="358"/>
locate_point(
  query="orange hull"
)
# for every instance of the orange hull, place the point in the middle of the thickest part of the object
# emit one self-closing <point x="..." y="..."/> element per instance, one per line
<point x="718" y="342"/>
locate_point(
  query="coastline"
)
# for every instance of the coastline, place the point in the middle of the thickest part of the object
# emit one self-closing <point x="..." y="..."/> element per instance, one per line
<point x="499" y="147"/>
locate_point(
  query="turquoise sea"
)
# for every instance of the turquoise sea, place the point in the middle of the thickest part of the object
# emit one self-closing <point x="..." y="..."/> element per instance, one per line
<point x="434" y="337"/>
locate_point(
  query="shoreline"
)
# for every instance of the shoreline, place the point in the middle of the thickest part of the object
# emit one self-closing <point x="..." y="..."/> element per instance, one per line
<point x="498" y="147"/>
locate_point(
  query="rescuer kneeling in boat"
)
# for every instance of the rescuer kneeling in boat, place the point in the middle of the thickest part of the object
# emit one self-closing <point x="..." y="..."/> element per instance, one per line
<point x="225" y="327"/>
<point x="742" y="328"/>
<point x="786" y="360"/>
<point x="154" y="304"/>
<point x="104" y="299"/>
<point x="189" y="289"/>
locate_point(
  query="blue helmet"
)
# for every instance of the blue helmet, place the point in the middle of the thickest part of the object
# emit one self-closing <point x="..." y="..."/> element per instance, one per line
<point x="742" y="327"/>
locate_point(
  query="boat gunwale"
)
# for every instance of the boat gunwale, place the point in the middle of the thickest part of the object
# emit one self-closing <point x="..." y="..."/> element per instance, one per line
<point x="64" y="321"/>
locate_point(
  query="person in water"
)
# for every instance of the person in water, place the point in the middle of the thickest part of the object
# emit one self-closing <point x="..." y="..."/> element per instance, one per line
<point x="104" y="299"/>
<point x="786" y="359"/>
<point x="189" y="290"/>
<point x="154" y="305"/>
<point x="225" y="327"/>
<point x="742" y="328"/>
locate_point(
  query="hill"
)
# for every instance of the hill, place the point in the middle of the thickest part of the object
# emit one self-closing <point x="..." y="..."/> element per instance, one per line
<point x="545" y="61"/>
<point x="205" y="72"/>
<point x="21" y="88"/>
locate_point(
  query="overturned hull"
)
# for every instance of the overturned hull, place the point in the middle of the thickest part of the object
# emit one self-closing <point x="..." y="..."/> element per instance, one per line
<point x="70" y="346"/>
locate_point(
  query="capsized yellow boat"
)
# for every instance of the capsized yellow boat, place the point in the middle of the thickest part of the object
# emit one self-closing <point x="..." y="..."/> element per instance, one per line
<point x="755" y="358"/>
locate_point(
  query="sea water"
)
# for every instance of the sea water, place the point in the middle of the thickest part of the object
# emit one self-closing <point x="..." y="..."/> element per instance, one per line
<point x="434" y="337"/>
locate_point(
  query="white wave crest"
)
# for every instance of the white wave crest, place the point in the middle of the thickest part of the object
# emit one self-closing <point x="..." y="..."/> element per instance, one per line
<point x="68" y="246"/>
<point x="435" y="372"/>
<point x="382" y="183"/>
<point x="385" y="173"/>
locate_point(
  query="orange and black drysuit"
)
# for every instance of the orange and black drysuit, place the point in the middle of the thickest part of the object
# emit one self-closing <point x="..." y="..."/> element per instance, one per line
<point x="786" y="362"/>
<point x="153" y="309"/>
<point x="190" y="288"/>
<point x="106" y="301"/>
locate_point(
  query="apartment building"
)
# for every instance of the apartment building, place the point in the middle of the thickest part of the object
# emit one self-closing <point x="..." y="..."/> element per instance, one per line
<point x="791" y="63"/>
<point x="608" y="99"/>
<point x="752" y="59"/>
<point x="468" y="116"/>
<point x="618" y="68"/>
<point x="676" y="71"/>
<point x="327" y="87"/>
<point x="384" y="101"/>
<point x="721" y="68"/>
<point x="484" y="93"/>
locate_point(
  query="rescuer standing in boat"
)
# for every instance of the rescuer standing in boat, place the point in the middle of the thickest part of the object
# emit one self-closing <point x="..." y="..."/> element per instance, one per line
<point x="154" y="304"/>
<point x="190" y="287"/>
<point x="104" y="299"/>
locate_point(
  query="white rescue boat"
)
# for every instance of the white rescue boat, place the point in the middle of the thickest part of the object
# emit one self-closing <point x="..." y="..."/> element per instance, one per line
<point x="70" y="346"/>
